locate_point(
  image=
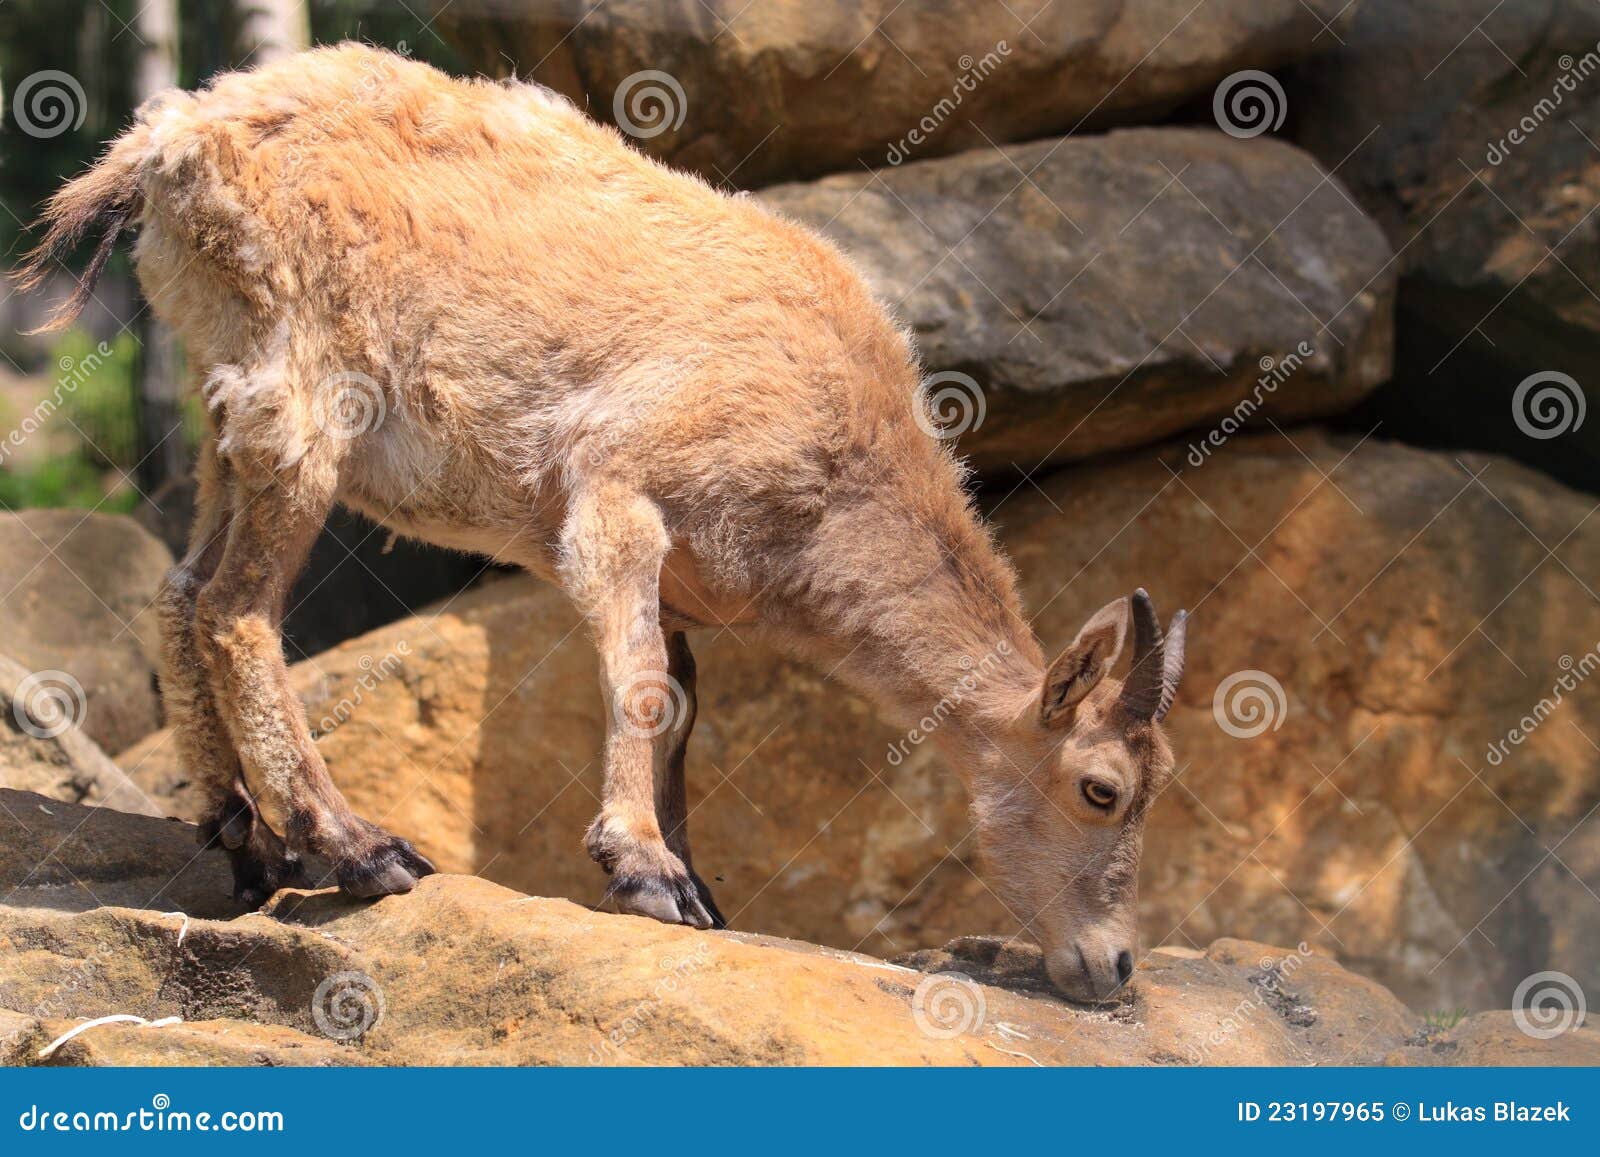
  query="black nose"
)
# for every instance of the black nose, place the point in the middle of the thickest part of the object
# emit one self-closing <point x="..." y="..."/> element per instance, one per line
<point x="1124" y="966"/>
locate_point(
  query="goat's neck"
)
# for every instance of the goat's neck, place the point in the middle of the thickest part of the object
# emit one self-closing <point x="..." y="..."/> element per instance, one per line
<point x="910" y="602"/>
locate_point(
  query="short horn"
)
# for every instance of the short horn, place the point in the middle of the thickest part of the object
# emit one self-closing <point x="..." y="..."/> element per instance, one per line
<point x="1172" y="663"/>
<point x="1141" y="691"/>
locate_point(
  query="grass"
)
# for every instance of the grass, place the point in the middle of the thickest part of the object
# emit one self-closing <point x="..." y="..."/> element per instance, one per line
<point x="1444" y="1018"/>
<point x="87" y="424"/>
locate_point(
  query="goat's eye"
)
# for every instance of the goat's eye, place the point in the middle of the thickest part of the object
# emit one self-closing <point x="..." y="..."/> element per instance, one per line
<point x="1099" y="795"/>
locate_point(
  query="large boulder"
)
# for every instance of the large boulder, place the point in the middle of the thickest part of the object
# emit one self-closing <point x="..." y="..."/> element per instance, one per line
<point x="1384" y="814"/>
<point x="1469" y="128"/>
<point x="463" y="971"/>
<point x="1090" y="294"/>
<point x="46" y="753"/>
<point x="75" y="608"/>
<point x="792" y="88"/>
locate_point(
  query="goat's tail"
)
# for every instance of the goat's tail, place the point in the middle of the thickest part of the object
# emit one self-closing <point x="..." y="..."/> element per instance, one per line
<point x="106" y="197"/>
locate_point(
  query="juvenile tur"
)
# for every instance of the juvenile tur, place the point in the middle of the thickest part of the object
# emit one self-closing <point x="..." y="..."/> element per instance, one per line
<point x="479" y="318"/>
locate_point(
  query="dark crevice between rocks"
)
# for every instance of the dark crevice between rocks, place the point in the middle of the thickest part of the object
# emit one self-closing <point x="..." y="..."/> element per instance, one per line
<point x="1455" y="394"/>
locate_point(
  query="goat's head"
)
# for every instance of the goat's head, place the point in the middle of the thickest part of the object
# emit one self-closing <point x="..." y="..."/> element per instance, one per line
<point x="1062" y="832"/>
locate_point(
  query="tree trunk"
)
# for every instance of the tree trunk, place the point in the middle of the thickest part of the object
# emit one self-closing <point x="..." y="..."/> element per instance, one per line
<point x="273" y="28"/>
<point x="162" y="453"/>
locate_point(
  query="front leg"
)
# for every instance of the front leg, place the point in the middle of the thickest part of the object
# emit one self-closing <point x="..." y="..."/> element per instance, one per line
<point x="672" y="802"/>
<point x="612" y="549"/>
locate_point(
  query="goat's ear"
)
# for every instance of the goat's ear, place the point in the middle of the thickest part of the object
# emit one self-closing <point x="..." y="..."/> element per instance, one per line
<point x="1083" y="664"/>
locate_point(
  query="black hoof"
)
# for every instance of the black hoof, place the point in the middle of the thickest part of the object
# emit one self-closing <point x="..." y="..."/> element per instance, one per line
<point x="669" y="899"/>
<point x="260" y="861"/>
<point x="389" y="869"/>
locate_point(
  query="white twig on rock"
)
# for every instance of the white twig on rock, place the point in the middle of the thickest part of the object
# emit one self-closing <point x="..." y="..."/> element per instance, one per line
<point x="114" y="1018"/>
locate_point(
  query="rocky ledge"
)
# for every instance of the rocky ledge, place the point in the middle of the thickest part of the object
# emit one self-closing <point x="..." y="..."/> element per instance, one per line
<point x="107" y="913"/>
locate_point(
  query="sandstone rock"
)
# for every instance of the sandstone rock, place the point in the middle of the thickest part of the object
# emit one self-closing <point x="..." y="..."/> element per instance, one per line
<point x="1410" y="614"/>
<point x="463" y="971"/>
<point x="53" y="757"/>
<point x="1133" y="285"/>
<point x="1468" y="127"/>
<point x="1494" y="1038"/>
<point x="70" y="858"/>
<point x="794" y="88"/>
<point x="75" y="593"/>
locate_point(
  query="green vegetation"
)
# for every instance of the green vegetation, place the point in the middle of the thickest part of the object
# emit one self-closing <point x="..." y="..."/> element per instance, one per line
<point x="67" y="443"/>
<point x="1444" y="1018"/>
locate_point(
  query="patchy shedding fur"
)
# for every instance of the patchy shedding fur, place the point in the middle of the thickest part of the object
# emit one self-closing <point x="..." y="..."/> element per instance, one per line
<point x="478" y="317"/>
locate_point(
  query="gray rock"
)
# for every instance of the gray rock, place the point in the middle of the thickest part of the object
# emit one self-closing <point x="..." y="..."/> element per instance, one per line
<point x="75" y="601"/>
<point x="1471" y="129"/>
<point x="1107" y="292"/>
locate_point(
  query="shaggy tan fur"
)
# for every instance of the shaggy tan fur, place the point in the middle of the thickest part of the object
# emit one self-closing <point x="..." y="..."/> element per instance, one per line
<point x="476" y="316"/>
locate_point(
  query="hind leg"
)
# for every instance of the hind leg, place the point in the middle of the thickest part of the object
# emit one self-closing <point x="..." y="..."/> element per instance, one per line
<point x="261" y="863"/>
<point x="275" y="518"/>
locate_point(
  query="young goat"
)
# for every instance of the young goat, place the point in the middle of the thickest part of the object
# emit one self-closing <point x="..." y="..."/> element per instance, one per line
<point x="482" y="320"/>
